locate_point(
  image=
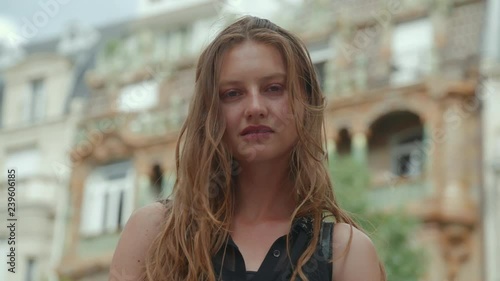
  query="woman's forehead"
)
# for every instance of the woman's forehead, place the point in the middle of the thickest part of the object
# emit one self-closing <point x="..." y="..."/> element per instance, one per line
<point x="251" y="59"/>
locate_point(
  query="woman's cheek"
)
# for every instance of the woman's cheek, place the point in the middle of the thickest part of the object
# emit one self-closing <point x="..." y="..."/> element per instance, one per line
<point x="284" y="118"/>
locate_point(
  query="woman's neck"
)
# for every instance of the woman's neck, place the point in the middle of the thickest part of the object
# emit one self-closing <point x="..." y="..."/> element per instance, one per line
<point x="264" y="192"/>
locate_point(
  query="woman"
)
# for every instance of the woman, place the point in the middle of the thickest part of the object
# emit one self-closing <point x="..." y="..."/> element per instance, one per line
<point x="252" y="196"/>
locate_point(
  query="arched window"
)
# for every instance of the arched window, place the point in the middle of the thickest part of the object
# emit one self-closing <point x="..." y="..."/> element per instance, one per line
<point x="396" y="145"/>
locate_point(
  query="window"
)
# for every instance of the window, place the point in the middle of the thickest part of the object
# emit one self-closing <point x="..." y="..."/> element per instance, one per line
<point x="320" y="53"/>
<point x="407" y="153"/>
<point x="496" y="145"/>
<point x="107" y="199"/>
<point x="35" y="102"/>
<point x="411" y="51"/>
<point x="3" y="259"/>
<point x="344" y="146"/>
<point x="26" y="161"/>
<point x="203" y="30"/>
<point x="30" y="269"/>
<point x="157" y="179"/>
<point x="1" y="102"/>
<point x="178" y="42"/>
<point x="161" y="182"/>
<point x="168" y="184"/>
<point x="184" y="34"/>
<point x="320" y="72"/>
<point x="139" y="96"/>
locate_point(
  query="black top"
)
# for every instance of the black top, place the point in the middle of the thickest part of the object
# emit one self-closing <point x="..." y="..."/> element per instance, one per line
<point x="276" y="264"/>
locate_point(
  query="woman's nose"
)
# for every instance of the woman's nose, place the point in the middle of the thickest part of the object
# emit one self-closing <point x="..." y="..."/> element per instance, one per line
<point x="256" y="105"/>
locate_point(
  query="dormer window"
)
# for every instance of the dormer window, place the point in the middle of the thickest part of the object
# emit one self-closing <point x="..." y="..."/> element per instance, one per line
<point x="76" y="38"/>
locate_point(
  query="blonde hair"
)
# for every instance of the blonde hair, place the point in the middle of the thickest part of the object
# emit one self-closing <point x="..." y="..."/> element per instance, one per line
<point x="198" y="218"/>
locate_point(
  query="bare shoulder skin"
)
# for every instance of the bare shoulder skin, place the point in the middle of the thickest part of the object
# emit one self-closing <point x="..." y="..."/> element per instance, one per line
<point x="141" y="228"/>
<point x="360" y="262"/>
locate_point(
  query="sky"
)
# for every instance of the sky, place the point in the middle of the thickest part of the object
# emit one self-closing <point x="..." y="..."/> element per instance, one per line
<point x="41" y="19"/>
<point x="34" y="20"/>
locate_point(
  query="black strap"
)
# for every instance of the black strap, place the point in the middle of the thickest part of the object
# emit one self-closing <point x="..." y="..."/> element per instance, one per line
<point x="326" y="245"/>
<point x="319" y="266"/>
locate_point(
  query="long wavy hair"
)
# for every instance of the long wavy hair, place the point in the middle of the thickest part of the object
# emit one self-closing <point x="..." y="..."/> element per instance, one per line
<point x="197" y="219"/>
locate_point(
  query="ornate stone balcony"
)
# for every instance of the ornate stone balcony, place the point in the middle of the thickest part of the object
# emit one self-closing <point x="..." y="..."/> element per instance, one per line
<point x="37" y="191"/>
<point x="135" y="128"/>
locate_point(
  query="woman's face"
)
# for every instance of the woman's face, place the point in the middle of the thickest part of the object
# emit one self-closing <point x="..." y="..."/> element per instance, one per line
<point x="252" y="92"/>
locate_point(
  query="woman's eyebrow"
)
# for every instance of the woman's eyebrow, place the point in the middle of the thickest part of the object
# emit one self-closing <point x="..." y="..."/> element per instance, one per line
<point x="273" y="76"/>
<point x="261" y="79"/>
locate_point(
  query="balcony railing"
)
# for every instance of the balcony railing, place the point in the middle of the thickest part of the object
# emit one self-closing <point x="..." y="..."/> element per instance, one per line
<point x="145" y="124"/>
<point x="398" y="195"/>
<point x="365" y="75"/>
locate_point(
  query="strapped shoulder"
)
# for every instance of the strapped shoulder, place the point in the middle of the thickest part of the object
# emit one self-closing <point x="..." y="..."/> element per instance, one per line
<point x="326" y="247"/>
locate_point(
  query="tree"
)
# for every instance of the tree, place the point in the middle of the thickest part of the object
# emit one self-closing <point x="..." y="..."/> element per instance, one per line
<point x="391" y="232"/>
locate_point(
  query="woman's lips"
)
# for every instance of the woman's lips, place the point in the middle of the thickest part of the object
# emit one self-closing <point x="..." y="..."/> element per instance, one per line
<point x="257" y="136"/>
<point x="255" y="128"/>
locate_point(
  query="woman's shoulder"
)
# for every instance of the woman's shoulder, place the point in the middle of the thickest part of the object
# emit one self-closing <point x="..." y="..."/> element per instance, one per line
<point x="343" y="231"/>
<point x="140" y="230"/>
<point x="354" y="255"/>
<point x="148" y="217"/>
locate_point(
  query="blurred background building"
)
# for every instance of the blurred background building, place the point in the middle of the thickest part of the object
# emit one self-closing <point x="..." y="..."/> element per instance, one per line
<point x="39" y="97"/>
<point x="90" y="118"/>
<point x="138" y="94"/>
<point x="489" y="93"/>
<point x="401" y="77"/>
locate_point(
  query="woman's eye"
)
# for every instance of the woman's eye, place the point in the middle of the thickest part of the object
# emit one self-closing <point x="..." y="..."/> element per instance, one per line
<point x="275" y="88"/>
<point x="230" y="94"/>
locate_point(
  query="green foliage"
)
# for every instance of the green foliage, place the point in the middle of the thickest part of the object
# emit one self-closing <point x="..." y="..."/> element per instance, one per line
<point x="392" y="233"/>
